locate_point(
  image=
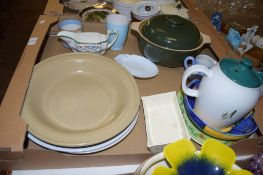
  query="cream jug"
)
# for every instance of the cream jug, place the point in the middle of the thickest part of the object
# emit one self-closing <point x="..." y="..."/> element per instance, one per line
<point x="227" y="92"/>
<point x="93" y="42"/>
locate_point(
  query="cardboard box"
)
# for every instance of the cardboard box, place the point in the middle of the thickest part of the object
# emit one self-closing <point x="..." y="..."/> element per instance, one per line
<point x="17" y="152"/>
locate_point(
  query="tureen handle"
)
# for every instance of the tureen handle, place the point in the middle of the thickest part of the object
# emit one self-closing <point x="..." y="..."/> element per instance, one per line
<point x="135" y="26"/>
<point x="116" y="33"/>
<point x="193" y="70"/>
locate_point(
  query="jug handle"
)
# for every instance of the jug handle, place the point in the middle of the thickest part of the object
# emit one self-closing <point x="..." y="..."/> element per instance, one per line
<point x="192" y="70"/>
<point x="116" y="33"/>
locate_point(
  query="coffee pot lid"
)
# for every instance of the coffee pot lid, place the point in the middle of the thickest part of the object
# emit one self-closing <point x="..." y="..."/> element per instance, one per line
<point x="241" y="72"/>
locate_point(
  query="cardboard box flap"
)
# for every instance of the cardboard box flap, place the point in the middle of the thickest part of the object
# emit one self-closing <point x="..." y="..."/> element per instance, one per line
<point x="12" y="127"/>
<point x="53" y="7"/>
<point x="218" y="45"/>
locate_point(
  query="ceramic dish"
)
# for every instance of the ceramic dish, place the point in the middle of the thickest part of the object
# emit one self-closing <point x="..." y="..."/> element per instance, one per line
<point x="78" y="5"/>
<point x="240" y="130"/>
<point x="162" y="111"/>
<point x="77" y="100"/>
<point x="71" y="25"/>
<point x="90" y="149"/>
<point x="145" y="9"/>
<point x="148" y="166"/>
<point x="138" y="66"/>
<point x="196" y="135"/>
<point x="97" y="13"/>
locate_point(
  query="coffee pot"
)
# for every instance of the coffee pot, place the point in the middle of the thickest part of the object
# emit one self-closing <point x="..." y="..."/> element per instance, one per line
<point x="227" y="92"/>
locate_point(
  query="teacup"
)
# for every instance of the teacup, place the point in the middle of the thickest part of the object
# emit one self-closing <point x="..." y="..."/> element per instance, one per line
<point x="201" y="59"/>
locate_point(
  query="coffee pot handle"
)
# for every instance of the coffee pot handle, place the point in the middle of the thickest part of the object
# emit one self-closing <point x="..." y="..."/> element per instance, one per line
<point x="193" y="70"/>
<point x="116" y="33"/>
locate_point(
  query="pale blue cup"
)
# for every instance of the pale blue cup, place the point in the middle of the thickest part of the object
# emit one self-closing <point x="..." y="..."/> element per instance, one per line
<point x="119" y="23"/>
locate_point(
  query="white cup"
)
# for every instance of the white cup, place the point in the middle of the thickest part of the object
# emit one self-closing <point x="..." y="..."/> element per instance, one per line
<point x="119" y="23"/>
<point x="201" y="59"/>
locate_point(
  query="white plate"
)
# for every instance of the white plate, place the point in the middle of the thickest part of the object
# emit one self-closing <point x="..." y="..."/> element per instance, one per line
<point x="89" y="149"/>
<point x="163" y="120"/>
<point x="138" y="66"/>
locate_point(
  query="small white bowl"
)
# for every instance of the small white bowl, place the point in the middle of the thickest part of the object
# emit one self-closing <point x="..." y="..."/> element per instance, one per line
<point x="71" y="25"/>
<point x="145" y="9"/>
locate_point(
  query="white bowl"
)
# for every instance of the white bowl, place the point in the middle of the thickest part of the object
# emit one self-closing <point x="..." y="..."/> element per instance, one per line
<point x="145" y="9"/>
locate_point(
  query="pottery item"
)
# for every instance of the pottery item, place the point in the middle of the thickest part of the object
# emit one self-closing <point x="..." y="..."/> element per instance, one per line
<point x="138" y="66"/>
<point x="167" y="40"/>
<point x="201" y="59"/>
<point x="163" y="1"/>
<point x="71" y="25"/>
<point x="93" y="42"/>
<point x="257" y="41"/>
<point x="144" y="10"/>
<point x="163" y="120"/>
<point x="181" y="157"/>
<point x="97" y="12"/>
<point x="197" y="135"/>
<point x="124" y="6"/>
<point x="119" y="23"/>
<point x="240" y="130"/>
<point x="78" y="5"/>
<point x="79" y="100"/>
<point x="89" y="149"/>
<point x="227" y="92"/>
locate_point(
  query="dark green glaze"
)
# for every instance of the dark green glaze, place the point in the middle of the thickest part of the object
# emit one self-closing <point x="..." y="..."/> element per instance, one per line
<point x="162" y="56"/>
<point x="171" y="31"/>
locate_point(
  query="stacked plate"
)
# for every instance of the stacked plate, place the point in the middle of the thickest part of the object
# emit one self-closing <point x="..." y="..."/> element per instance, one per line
<point x="80" y="103"/>
<point x="199" y="131"/>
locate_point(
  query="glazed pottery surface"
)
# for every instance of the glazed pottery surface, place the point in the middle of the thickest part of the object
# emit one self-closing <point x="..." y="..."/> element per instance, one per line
<point x="93" y="42"/>
<point x="168" y="48"/>
<point x="119" y="23"/>
<point x="222" y="100"/>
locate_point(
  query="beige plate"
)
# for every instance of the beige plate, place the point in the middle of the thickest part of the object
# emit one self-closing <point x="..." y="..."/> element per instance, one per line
<point x="79" y="99"/>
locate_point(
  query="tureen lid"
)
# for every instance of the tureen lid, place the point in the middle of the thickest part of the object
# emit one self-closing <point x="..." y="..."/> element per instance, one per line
<point x="171" y="31"/>
<point x="240" y="72"/>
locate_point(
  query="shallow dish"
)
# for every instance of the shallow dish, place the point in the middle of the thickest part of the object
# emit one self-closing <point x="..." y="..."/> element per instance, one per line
<point x="163" y="120"/>
<point x="97" y="13"/>
<point x="148" y="166"/>
<point x="78" y="100"/>
<point x="89" y="149"/>
<point x="138" y="66"/>
<point x="196" y="134"/>
<point x="240" y="130"/>
<point x="145" y="9"/>
<point x="78" y="5"/>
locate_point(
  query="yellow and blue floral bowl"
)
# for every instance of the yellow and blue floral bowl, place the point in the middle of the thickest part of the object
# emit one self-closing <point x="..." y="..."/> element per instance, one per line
<point x="182" y="158"/>
<point x="242" y="129"/>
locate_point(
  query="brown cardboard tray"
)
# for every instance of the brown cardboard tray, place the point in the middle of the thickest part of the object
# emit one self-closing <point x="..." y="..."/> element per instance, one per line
<point x="17" y="152"/>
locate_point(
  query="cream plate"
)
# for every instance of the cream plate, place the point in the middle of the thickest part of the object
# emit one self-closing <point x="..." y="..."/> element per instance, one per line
<point x="138" y="66"/>
<point x="79" y="99"/>
<point x="89" y="149"/>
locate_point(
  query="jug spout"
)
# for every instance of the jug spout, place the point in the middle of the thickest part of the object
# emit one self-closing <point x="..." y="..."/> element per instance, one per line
<point x="69" y="38"/>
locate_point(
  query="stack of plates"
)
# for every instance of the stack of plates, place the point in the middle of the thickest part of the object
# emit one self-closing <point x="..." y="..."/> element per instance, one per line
<point x="80" y="103"/>
<point x="197" y="134"/>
